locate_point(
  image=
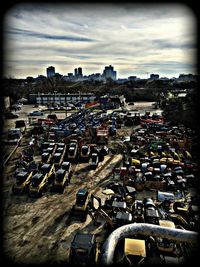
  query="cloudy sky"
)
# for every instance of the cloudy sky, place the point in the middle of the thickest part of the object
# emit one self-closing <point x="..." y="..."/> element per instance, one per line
<point x="135" y="39"/>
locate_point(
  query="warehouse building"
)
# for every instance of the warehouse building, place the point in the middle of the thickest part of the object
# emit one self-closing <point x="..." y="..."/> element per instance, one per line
<point x="59" y="98"/>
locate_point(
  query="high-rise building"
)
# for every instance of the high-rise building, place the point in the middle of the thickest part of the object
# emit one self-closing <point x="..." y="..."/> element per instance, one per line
<point x="109" y="73"/>
<point x="80" y="74"/>
<point x="75" y="72"/>
<point x="50" y="71"/>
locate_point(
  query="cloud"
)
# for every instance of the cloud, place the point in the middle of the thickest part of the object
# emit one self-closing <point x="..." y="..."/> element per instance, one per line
<point x="49" y="36"/>
<point x="163" y="43"/>
<point x="132" y="37"/>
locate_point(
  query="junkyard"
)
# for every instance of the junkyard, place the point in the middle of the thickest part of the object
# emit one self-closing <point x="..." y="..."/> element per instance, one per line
<point x="105" y="186"/>
<point x="100" y="134"/>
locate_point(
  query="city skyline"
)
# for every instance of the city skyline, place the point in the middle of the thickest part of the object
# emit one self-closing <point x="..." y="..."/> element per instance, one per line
<point x="135" y="39"/>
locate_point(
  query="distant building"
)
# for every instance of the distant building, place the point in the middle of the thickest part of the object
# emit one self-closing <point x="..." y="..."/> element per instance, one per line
<point x="75" y="72"/>
<point x="132" y="78"/>
<point x="154" y="76"/>
<point x="121" y="81"/>
<point x="50" y="71"/>
<point x="43" y="99"/>
<point x="187" y="77"/>
<point x="58" y="75"/>
<point x="109" y="73"/>
<point x="94" y="77"/>
<point x="40" y="78"/>
<point x="80" y="74"/>
<point x="70" y="76"/>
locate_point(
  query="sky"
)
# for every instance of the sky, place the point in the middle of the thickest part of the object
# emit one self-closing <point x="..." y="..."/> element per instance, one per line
<point x="137" y="39"/>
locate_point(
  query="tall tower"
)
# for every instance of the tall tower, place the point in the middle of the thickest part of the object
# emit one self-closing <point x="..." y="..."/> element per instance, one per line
<point x="80" y="74"/>
<point x="109" y="73"/>
<point x="75" y="72"/>
<point x="50" y="71"/>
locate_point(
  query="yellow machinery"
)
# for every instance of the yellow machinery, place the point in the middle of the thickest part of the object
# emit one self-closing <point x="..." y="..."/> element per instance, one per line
<point x="48" y="169"/>
<point x="135" y="162"/>
<point x="80" y="209"/>
<point x="38" y="185"/>
<point x="61" y="180"/>
<point x="22" y="182"/>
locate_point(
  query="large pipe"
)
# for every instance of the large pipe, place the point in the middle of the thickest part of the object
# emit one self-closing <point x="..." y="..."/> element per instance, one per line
<point x="109" y="245"/>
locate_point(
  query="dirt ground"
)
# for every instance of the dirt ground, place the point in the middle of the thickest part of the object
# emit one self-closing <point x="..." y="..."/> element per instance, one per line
<point x="38" y="230"/>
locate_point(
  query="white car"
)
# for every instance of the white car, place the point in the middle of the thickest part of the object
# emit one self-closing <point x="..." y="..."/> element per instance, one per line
<point x="36" y="113"/>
